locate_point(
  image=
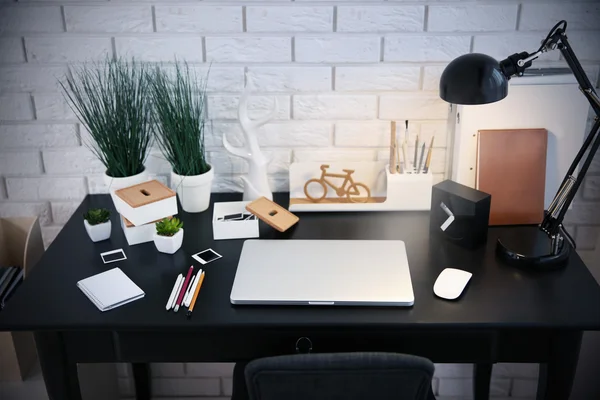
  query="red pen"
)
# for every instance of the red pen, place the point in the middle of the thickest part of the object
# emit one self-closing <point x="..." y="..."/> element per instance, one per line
<point x="184" y="288"/>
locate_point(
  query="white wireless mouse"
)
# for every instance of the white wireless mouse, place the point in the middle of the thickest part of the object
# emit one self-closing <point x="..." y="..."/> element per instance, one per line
<point x="451" y="282"/>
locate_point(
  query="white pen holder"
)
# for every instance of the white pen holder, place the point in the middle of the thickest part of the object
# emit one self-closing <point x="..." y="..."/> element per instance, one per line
<point x="233" y="229"/>
<point x="389" y="192"/>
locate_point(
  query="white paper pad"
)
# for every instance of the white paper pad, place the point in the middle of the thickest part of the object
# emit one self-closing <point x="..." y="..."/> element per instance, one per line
<point x="110" y="289"/>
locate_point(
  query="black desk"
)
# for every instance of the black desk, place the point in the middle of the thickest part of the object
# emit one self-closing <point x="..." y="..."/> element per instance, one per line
<point x="504" y="316"/>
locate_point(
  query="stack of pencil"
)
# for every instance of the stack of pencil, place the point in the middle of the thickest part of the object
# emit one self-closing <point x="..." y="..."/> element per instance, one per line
<point x="185" y="291"/>
<point x="402" y="165"/>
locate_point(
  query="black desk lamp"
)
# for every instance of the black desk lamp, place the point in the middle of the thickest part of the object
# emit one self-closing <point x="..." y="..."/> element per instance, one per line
<point x="480" y="79"/>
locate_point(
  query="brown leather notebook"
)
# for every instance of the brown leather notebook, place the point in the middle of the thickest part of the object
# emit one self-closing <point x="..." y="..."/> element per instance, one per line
<point x="511" y="166"/>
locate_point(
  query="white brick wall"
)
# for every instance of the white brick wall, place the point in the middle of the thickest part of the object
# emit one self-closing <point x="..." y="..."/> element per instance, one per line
<point x="95" y="19"/>
<point x="289" y="19"/>
<point x="198" y="19"/>
<point x="340" y="71"/>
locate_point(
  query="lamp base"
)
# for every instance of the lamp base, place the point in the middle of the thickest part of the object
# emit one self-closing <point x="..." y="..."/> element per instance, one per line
<point x="533" y="250"/>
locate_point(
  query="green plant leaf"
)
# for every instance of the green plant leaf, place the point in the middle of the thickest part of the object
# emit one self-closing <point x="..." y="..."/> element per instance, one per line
<point x="168" y="227"/>
<point x="95" y="216"/>
<point x="112" y="100"/>
<point x="179" y="118"/>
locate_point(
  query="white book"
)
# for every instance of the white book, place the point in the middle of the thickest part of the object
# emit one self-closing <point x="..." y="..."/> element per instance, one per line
<point x="110" y="289"/>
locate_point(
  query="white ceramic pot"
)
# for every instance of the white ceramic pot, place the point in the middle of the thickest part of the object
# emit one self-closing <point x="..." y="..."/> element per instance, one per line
<point x="193" y="191"/>
<point x="98" y="232"/>
<point x="168" y="244"/>
<point x="114" y="184"/>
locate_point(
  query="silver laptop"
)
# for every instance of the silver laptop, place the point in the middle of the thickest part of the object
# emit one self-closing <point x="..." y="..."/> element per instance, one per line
<point x="323" y="272"/>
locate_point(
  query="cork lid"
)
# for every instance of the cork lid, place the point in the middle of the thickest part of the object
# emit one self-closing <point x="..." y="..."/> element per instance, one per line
<point x="144" y="193"/>
<point x="272" y="213"/>
<point x="129" y="224"/>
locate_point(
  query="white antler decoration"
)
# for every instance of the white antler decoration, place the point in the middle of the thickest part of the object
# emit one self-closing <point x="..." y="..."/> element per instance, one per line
<point x="256" y="184"/>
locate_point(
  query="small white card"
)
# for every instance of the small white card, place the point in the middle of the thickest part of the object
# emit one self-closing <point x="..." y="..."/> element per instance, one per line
<point x="113" y="256"/>
<point x="206" y="256"/>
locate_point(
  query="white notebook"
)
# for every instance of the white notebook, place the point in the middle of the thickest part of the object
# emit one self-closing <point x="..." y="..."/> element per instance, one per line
<point x="110" y="289"/>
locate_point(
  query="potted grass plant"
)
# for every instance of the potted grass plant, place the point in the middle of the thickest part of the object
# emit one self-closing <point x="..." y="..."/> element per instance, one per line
<point x="179" y="113"/>
<point x="97" y="224"/>
<point x="111" y="99"/>
<point x="169" y="235"/>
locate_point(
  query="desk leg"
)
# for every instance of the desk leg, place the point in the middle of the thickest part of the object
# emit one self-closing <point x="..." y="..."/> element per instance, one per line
<point x="60" y="376"/>
<point x="141" y="379"/>
<point x="482" y="375"/>
<point x="556" y="377"/>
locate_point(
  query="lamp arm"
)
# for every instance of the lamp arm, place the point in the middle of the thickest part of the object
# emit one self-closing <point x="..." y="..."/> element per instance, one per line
<point x="552" y="223"/>
<point x="515" y="65"/>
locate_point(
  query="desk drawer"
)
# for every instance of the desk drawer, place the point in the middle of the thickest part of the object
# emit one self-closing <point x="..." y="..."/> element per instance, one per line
<point x="246" y="345"/>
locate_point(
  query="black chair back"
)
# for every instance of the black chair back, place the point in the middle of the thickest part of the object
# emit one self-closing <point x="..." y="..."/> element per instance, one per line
<point x="343" y="376"/>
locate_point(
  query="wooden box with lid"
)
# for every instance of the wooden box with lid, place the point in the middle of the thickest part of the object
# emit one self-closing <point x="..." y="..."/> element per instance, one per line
<point x="146" y="202"/>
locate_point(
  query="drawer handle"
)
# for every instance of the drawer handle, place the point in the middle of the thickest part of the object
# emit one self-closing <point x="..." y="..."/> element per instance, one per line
<point x="304" y="345"/>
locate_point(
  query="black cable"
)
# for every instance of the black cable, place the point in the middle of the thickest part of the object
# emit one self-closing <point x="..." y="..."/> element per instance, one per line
<point x="552" y="31"/>
<point x="568" y="236"/>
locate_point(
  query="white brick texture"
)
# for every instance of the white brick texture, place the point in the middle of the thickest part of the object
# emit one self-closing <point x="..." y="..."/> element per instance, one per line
<point x="78" y="160"/>
<point x="403" y="107"/>
<point x="217" y="78"/>
<point x="333" y="49"/>
<point x="248" y="49"/>
<point x="24" y="209"/>
<point x="501" y="46"/>
<point x="31" y="78"/>
<point x="379" y="18"/>
<point x="472" y="18"/>
<point x="56" y="49"/>
<point x="62" y="211"/>
<point x="386" y="78"/>
<point x="335" y="106"/>
<point x="226" y="106"/>
<point x="340" y="70"/>
<point x="199" y="19"/>
<point x="41" y="19"/>
<point x="294" y="79"/>
<point x="161" y="48"/>
<point x="289" y="19"/>
<point x="275" y="134"/>
<point x="425" y="48"/>
<point x="53" y="107"/>
<point x="95" y="19"/>
<point x="541" y="17"/>
<point x="11" y="50"/>
<point x="46" y="188"/>
<point x="22" y="163"/>
<point x="15" y="107"/>
<point x="37" y="136"/>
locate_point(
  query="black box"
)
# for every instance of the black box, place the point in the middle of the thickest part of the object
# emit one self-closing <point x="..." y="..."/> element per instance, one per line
<point x="460" y="213"/>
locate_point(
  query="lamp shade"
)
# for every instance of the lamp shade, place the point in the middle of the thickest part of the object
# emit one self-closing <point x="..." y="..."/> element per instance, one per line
<point x="473" y="79"/>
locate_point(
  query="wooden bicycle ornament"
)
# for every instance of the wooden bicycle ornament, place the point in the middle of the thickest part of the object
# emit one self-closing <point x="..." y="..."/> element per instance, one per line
<point x="356" y="192"/>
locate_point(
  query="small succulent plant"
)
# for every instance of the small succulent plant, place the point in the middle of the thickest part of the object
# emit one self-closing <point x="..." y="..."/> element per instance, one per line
<point x="168" y="227"/>
<point x="95" y="216"/>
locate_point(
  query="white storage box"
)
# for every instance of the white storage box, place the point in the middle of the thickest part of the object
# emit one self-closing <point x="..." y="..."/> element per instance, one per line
<point x="146" y="202"/>
<point x="138" y="234"/>
<point x="233" y="229"/>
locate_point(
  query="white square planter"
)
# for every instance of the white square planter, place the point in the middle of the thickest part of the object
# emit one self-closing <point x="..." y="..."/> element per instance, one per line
<point x="146" y="202"/>
<point x="98" y="232"/>
<point x="233" y="229"/>
<point x="168" y="244"/>
<point x="137" y="234"/>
